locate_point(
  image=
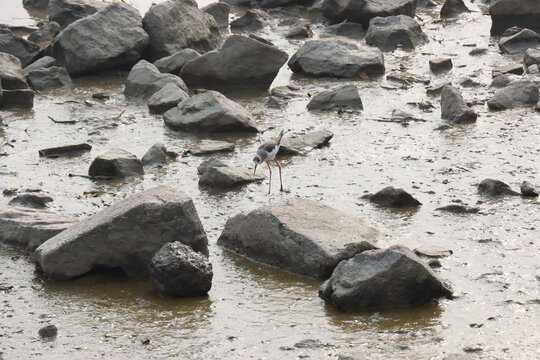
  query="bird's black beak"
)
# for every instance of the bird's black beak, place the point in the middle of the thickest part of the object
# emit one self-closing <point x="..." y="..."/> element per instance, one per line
<point x="254" y="169"/>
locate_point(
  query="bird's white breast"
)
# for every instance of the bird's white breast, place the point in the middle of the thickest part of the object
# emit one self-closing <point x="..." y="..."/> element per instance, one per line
<point x="272" y="154"/>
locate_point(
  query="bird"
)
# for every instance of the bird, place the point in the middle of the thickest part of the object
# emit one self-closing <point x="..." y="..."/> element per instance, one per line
<point x="266" y="153"/>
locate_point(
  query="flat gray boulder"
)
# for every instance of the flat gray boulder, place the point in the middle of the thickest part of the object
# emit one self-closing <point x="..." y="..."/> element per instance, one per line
<point x="298" y="235"/>
<point x="241" y="62"/>
<point x="389" y="33"/>
<point x="41" y="63"/>
<point x="34" y="200"/>
<point x="111" y="38"/>
<point x="454" y="108"/>
<point x="210" y="111"/>
<point x="28" y="228"/>
<point x="521" y="93"/>
<point x="174" y="63"/>
<point x="519" y="42"/>
<point x="48" y="78"/>
<point x="168" y="97"/>
<point x="385" y="278"/>
<point x="508" y="13"/>
<point x="220" y="175"/>
<point x="363" y="11"/>
<point x="337" y="57"/>
<point x="174" y="25"/>
<point x="116" y="163"/>
<point x="344" y="96"/>
<point x="144" y="80"/>
<point x="11" y="72"/>
<point x="178" y="271"/>
<point x="205" y="147"/>
<point x="65" y="12"/>
<point x="302" y="144"/>
<point x="125" y="235"/>
<point x="26" y="51"/>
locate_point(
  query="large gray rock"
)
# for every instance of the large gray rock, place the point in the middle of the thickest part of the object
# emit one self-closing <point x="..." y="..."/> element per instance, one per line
<point x="29" y="228"/>
<point x="220" y="175"/>
<point x="454" y="108"/>
<point x="508" y="13"/>
<point x="116" y="163"/>
<point x="337" y="57"/>
<point x="17" y="46"/>
<point x="302" y="144"/>
<point x="11" y="73"/>
<point x="174" y="25"/>
<point x="157" y="155"/>
<point x="178" y="271"/>
<point x="387" y="33"/>
<point x="492" y="188"/>
<point x="209" y="111"/>
<point x="253" y="20"/>
<point x="298" y="235"/>
<point x="45" y="34"/>
<point x="363" y="11"/>
<point x="220" y="11"/>
<point x="168" y="97"/>
<point x="36" y="4"/>
<point x="18" y="99"/>
<point x="64" y="12"/>
<point x="240" y="63"/>
<point x="393" y="198"/>
<point x="393" y="277"/>
<point x="144" y="80"/>
<point x="174" y="63"/>
<point x="453" y="8"/>
<point x="125" y="235"/>
<point x="519" y="43"/>
<point x="41" y="63"/>
<point x="49" y="77"/>
<point x="111" y="38"/>
<point x="343" y="96"/>
<point x="522" y="93"/>
<point x="531" y="57"/>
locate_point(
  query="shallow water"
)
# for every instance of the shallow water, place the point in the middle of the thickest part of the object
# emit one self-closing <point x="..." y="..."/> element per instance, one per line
<point x="254" y="311"/>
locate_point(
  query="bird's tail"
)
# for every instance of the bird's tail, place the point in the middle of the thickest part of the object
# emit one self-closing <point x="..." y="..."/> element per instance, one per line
<point x="281" y="135"/>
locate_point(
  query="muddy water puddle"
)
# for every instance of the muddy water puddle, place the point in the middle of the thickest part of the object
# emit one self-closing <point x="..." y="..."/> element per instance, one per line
<point x="254" y="311"/>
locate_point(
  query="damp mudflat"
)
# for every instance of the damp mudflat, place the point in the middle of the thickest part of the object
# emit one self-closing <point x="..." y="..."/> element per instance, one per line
<point x="254" y="311"/>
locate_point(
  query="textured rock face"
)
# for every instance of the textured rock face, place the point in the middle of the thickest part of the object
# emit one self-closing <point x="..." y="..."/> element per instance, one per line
<point x="241" y="62"/>
<point x="302" y="144"/>
<point x="337" y="57"/>
<point x="344" y="96"/>
<point x="220" y="12"/>
<point x="508" y="13"/>
<point x="112" y="37"/>
<point x="298" y="235"/>
<point x="29" y="228"/>
<point x="210" y="111"/>
<point x="178" y="271"/>
<point x="168" y="97"/>
<point x="49" y="77"/>
<point x="454" y="108"/>
<point x="453" y="8"/>
<point x="517" y="94"/>
<point x="392" y="277"/>
<point x="521" y="41"/>
<point x="45" y="33"/>
<point x="125" y="235"/>
<point x="492" y="188"/>
<point x="144" y="80"/>
<point x="219" y="175"/>
<point x="116" y="163"/>
<point x="387" y="33"/>
<point x="363" y="11"/>
<point x="26" y="51"/>
<point x="11" y="73"/>
<point x="174" y="63"/>
<point x="64" y="12"/>
<point x="394" y="198"/>
<point x="178" y="24"/>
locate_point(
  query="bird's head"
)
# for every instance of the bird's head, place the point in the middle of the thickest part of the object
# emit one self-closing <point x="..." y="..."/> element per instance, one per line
<point x="256" y="160"/>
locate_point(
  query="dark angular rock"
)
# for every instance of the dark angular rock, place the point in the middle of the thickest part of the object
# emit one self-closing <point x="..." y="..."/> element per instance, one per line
<point x="528" y="190"/>
<point x="36" y="4"/>
<point x="31" y="200"/>
<point x="389" y="33"/>
<point x="174" y="63"/>
<point x="348" y="29"/>
<point x="344" y="96"/>
<point x="490" y="187"/>
<point x="433" y="251"/>
<point x="392" y="277"/>
<point x="453" y="8"/>
<point x="205" y="147"/>
<point x="45" y="34"/>
<point x="440" y="64"/>
<point x="516" y="69"/>
<point x="518" y="43"/>
<point x="298" y="30"/>
<point x="219" y="175"/>
<point x="174" y="25"/>
<point x="125" y="235"/>
<point x="253" y="20"/>
<point x="302" y="144"/>
<point x="48" y="331"/>
<point x="436" y="90"/>
<point x="298" y="235"/>
<point x="220" y="12"/>
<point x="67" y="150"/>
<point x="454" y="108"/>
<point x="11" y="73"/>
<point x="18" y="99"/>
<point x="178" y="271"/>
<point x="393" y="198"/>
<point x="65" y="12"/>
<point x="116" y="163"/>
<point x="508" y="13"/>
<point x="26" y="51"/>
<point x="47" y="78"/>
<point x="41" y="63"/>
<point x="165" y="99"/>
<point x="157" y="155"/>
<point x="531" y="57"/>
<point x="239" y="63"/>
<point x="459" y="209"/>
<point x="503" y="80"/>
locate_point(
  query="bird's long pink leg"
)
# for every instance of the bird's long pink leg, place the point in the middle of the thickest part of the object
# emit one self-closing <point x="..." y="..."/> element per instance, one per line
<point x="280" y="181"/>
<point x="270" y="181"/>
